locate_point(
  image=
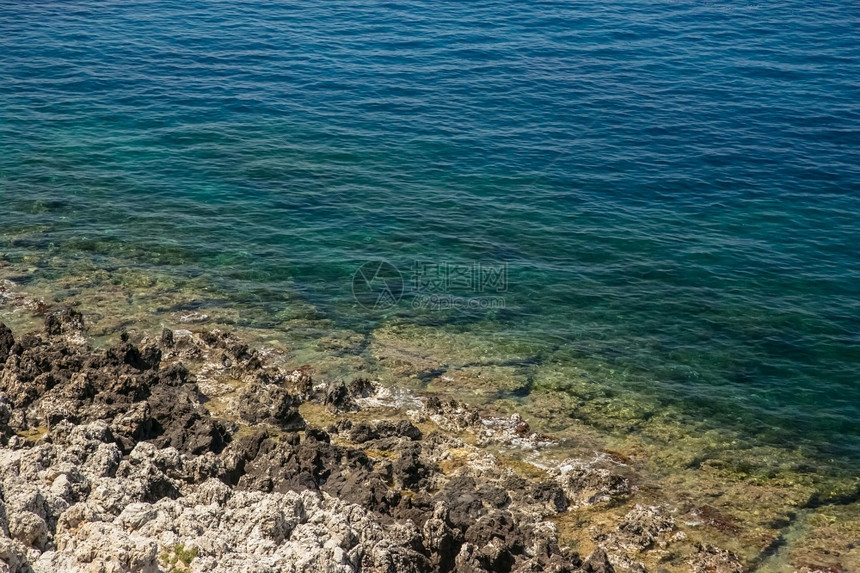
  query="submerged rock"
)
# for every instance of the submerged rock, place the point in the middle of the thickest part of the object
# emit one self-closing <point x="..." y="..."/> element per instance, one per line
<point x="587" y="483"/>
<point x="641" y="527"/>
<point x="710" y="559"/>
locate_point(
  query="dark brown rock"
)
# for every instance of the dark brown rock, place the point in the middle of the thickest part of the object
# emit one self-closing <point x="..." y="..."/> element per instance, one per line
<point x="64" y="321"/>
<point x="270" y="404"/>
<point x="409" y="469"/>
<point x="7" y="341"/>
<point x="337" y="398"/>
<point x="550" y="494"/>
<point x="368" y="431"/>
<point x="598" y="562"/>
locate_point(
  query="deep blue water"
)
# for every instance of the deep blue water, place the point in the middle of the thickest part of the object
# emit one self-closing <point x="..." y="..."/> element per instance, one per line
<point x="674" y="186"/>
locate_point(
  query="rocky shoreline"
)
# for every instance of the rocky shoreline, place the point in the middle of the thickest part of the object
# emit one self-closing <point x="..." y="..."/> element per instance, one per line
<point x="193" y="452"/>
<point x="212" y="447"/>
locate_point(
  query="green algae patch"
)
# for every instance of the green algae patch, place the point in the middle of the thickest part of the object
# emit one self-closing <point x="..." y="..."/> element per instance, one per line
<point x="456" y="459"/>
<point x="454" y="347"/>
<point x="33" y="435"/>
<point x="316" y="415"/>
<point x="179" y="558"/>
<point x="425" y="355"/>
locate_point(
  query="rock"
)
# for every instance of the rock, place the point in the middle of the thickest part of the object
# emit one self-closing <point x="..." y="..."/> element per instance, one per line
<point x="64" y="321"/>
<point x="585" y="484"/>
<point x="101" y="546"/>
<point x="440" y="540"/>
<point x="7" y="341"/>
<point x="642" y="525"/>
<point x="498" y="536"/>
<point x="270" y="404"/>
<point x="13" y="557"/>
<point x="495" y="496"/>
<point x="135" y="515"/>
<point x="121" y="466"/>
<point x="710" y="559"/>
<point x="337" y="398"/>
<point x="464" y="503"/>
<point x="53" y="382"/>
<point x="409" y="469"/>
<point x="300" y="381"/>
<point x="367" y="489"/>
<point x="28" y="528"/>
<point x="550" y="494"/>
<point x="380" y="429"/>
<point x="451" y="415"/>
<point x="470" y="559"/>
<point x="167" y="338"/>
<point x="180" y="421"/>
<point x="598" y="562"/>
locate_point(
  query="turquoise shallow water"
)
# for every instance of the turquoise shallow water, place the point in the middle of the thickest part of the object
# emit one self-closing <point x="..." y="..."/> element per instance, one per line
<point x="673" y="188"/>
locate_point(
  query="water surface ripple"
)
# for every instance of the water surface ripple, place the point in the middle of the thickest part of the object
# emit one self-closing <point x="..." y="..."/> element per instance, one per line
<point x="674" y="186"/>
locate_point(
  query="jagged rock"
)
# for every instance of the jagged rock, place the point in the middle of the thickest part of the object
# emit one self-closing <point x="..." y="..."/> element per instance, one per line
<point x="598" y="562"/>
<point x="64" y="321"/>
<point x="409" y="469"/>
<point x="100" y="546"/>
<point x="337" y="398"/>
<point x="710" y="559"/>
<point x="549" y="558"/>
<point x="13" y="556"/>
<point x="180" y="420"/>
<point x="7" y="341"/>
<point x="440" y="540"/>
<point x="550" y="494"/>
<point x="48" y="383"/>
<point x="300" y="382"/>
<point x="642" y="525"/>
<point x="451" y="415"/>
<point x="585" y="484"/>
<point x="465" y="505"/>
<point x="167" y="338"/>
<point x="28" y="528"/>
<point x="340" y="397"/>
<point x="499" y="539"/>
<point x="379" y="429"/>
<point x="284" y="465"/>
<point x="269" y="404"/>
